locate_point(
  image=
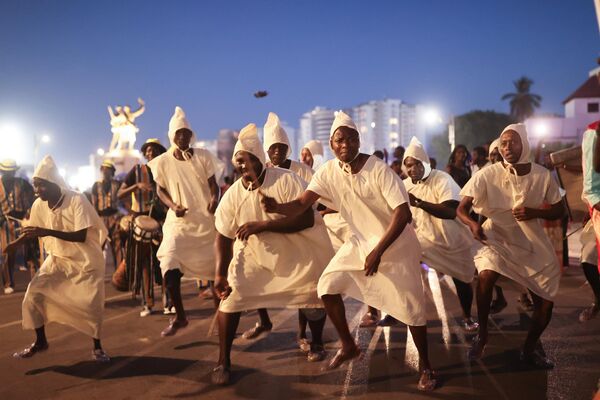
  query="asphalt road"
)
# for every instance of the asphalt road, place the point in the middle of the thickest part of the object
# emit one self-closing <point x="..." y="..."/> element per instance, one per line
<point x="146" y="366"/>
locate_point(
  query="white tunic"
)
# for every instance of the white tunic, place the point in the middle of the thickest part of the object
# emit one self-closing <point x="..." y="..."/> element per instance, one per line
<point x="187" y="242"/>
<point x="366" y="200"/>
<point x="519" y="250"/>
<point x="271" y="269"/>
<point x="447" y="244"/>
<point x="69" y="287"/>
<point x="589" y="254"/>
<point x="302" y="170"/>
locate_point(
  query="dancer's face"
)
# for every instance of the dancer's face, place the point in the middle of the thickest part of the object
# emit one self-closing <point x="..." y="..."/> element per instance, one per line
<point x="107" y="173"/>
<point x="495" y="156"/>
<point x="306" y="157"/>
<point x="182" y="138"/>
<point x="345" y="143"/>
<point x="511" y="146"/>
<point x="248" y="166"/>
<point x="414" y="168"/>
<point x="45" y="189"/>
<point x="277" y="153"/>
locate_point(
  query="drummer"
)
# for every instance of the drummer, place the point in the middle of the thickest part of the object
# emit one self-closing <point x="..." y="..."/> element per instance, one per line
<point x="106" y="202"/>
<point x="140" y="186"/>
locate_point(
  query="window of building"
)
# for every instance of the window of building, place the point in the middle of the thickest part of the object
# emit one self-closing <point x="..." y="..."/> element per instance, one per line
<point x="593" y="107"/>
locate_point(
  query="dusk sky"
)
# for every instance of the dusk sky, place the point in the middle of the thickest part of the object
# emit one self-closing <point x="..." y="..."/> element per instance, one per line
<point x="63" y="62"/>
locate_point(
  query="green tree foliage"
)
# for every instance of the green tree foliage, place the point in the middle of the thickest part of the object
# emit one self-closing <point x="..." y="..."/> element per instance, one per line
<point x="522" y="102"/>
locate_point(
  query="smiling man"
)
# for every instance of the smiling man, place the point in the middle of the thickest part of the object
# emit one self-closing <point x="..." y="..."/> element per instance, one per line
<point x="266" y="260"/>
<point x="69" y="287"/>
<point x="510" y="194"/>
<point x="186" y="184"/>
<point x="379" y="264"/>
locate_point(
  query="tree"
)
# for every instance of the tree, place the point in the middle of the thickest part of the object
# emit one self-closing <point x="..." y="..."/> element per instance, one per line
<point x="522" y="103"/>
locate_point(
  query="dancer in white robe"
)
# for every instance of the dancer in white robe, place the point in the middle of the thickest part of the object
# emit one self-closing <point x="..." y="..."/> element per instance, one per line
<point x="447" y="244"/>
<point x="186" y="184"/>
<point x="69" y="287"/>
<point x="379" y="265"/>
<point x="510" y="194"/>
<point x="264" y="260"/>
<point x="277" y="147"/>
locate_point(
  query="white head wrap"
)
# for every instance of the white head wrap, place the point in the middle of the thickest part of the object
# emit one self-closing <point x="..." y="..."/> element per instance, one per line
<point x="178" y="121"/>
<point x="522" y="132"/>
<point x="495" y="145"/>
<point x="249" y="141"/>
<point x="416" y="150"/>
<point x="315" y="147"/>
<point x="274" y="133"/>
<point x="48" y="171"/>
<point x="342" y="119"/>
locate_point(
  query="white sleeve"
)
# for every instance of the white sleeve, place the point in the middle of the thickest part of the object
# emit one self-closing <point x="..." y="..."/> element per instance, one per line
<point x="225" y="215"/>
<point x="392" y="188"/>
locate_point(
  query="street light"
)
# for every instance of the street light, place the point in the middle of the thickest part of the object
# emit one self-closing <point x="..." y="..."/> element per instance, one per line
<point x="100" y="151"/>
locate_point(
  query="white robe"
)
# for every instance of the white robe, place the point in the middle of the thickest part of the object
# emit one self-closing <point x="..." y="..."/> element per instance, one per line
<point x="187" y="242"/>
<point x="302" y="170"/>
<point x="519" y="250"/>
<point x="69" y="287"/>
<point x="271" y="269"/>
<point x="589" y="254"/>
<point x="447" y="244"/>
<point x="366" y="201"/>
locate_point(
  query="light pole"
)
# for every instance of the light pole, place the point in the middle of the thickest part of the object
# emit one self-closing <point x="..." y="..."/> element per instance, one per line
<point x="37" y="140"/>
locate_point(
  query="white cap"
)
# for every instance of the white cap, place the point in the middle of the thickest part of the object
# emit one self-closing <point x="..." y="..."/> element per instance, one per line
<point x="249" y="141"/>
<point x="315" y="147"/>
<point x="178" y="121"/>
<point x="522" y="132"/>
<point x="416" y="150"/>
<point x="47" y="170"/>
<point x="274" y="133"/>
<point x="342" y="119"/>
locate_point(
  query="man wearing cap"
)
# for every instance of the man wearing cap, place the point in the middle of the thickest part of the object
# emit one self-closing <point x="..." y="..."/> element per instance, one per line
<point x="106" y="202"/>
<point x="266" y="260"/>
<point x="446" y="243"/>
<point x="140" y="185"/>
<point x="510" y="194"/>
<point x="186" y="184"/>
<point x="16" y="198"/>
<point x="379" y="264"/>
<point x="69" y="287"/>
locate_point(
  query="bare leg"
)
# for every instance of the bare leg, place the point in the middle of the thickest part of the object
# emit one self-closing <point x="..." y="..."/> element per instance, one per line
<point x="337" y="313"/>
<point x="316" y="330"/>
<point x="542" y="314"/>
<point x="40" y="337"/>
<point x="593" y="277"/>
<point x="465" y="296"/>
<point x="173" y="283"/>
<point x="265" y="321"/>
<point x="302" y="322"/>
<point x="485" y="287"/>
<point x="228" y="324"/>
<point x="419" y="334"/>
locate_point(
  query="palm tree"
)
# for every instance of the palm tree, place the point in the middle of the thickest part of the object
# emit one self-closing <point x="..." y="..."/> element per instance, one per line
<point x="522" y="103"/>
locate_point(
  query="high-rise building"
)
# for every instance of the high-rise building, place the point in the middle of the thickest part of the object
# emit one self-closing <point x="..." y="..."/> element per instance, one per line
<point x="226" y="140"/>
<point x="315" y="124"/>
<point x="388" y="123"/>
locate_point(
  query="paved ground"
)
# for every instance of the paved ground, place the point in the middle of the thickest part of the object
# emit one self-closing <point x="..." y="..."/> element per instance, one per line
<point x="146" y="366"/>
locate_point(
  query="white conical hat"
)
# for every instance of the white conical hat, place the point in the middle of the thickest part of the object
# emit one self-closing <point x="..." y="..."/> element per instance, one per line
<point x="249" y="141"/>
<point x="315" y="147"/>
<point x="274" y="133"/>
<point x="416" y="150"/>
<point x="48" y="171"/>
<point x="495" y="144"/>
<point x="522" y="132"/>
<point x="342" y="119"/>
<point x="178" y="121"/>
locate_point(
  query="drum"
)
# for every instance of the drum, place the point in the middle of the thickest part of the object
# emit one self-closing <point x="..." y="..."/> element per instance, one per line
<point x="119" y="280"/>
<point x="144" y="228"/>
<point x="125" y="223"/>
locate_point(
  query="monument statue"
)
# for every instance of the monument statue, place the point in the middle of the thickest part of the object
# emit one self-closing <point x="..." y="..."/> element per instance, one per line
<point x="123" y="126"/>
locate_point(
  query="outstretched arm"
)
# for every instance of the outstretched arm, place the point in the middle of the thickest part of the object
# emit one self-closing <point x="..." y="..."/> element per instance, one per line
<point x="443" y="210"/>
<point x="293" y="208"/>
<point x="224" y="253"/>
<point x="400" y="218"/>
<point x="462" y="212"/>
<point x="281" y="225"/>
<point x="556" y="211"/>
<point x="140" y="110"/>
<point x="111" y="112"/>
